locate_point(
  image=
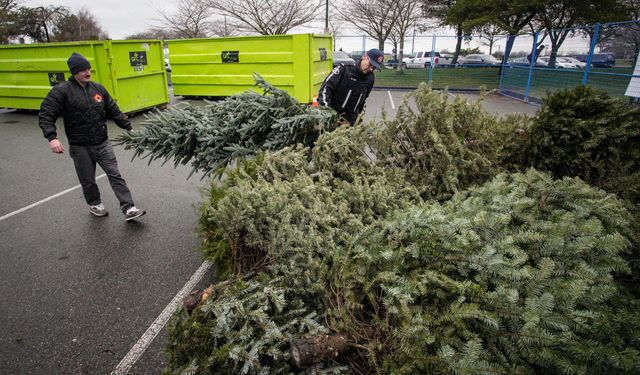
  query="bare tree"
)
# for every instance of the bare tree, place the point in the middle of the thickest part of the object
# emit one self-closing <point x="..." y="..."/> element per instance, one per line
<point x="336" y="24"/>
<point x="154" y="33"/>
<point x="265" y="17"/>
<point x="190" y="20"/>
<point x="409" y="13"/>
<point x="223" y="28"/>
<point x="489" y="34"/>
<point x="375" y="18"/>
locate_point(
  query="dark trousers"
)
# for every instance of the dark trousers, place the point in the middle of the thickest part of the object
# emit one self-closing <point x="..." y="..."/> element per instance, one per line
<point x="85" y="159"/>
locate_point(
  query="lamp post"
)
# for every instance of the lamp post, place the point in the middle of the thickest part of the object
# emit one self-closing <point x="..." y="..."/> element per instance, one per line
<point x="413" y="39"/>
<point x="326" y="16"/>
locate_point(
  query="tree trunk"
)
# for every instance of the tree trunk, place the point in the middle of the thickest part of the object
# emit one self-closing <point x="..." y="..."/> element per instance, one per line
<point x="554" y="53"/>
<point x="454" y="60"/>
<point x="399" y="66"/>
<point x="395" y="50"/>
<point x="310" y="350"/>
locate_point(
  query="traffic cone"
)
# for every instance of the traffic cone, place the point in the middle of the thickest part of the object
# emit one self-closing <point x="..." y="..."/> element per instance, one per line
<point x="315" y="101"/>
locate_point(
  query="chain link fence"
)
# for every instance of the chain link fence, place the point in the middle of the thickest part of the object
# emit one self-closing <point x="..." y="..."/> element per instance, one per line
<point x="535" y="64"/>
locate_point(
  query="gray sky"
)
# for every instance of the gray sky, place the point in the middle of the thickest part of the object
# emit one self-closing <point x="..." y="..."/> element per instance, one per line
<point x="118" y="18"/>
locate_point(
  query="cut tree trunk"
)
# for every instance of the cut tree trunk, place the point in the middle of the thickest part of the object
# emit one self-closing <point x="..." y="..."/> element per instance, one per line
<point x="310" y="350"/>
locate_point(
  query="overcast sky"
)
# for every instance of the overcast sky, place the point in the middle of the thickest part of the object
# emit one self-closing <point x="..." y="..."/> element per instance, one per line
<point x="118" y="18"/>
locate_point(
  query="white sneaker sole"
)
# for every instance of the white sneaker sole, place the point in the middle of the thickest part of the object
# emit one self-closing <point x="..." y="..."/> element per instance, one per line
<point x="99" y="215"/>
<point x="142" y="212"/>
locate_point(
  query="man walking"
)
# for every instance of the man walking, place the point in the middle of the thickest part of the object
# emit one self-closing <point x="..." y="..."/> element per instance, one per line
<point x="85" y="107"/>
<point x="347" y="87"/>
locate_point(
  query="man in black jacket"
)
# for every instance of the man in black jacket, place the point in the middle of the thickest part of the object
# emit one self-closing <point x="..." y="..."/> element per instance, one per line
<point x="85" y="107"/>
<point x="347" y="87"/>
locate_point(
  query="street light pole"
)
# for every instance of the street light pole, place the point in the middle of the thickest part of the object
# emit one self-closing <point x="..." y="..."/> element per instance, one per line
<point x="413" y="39"/>
<point x="326" y="16"/>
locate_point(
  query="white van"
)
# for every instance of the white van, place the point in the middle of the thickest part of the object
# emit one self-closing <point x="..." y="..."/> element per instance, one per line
<point x="420" y="59"/>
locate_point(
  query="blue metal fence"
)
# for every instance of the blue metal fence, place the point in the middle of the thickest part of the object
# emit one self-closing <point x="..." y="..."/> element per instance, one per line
<point x="608" y="62"/>
<point x="535" y="64"/>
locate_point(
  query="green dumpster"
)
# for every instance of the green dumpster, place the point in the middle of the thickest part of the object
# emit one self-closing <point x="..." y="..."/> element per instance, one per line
<point x="297" y="63"/>
<point x="132" y="71"/>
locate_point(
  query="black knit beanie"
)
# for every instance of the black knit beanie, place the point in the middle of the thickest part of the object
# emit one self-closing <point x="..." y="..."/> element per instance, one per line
<point x="77" y="63"/>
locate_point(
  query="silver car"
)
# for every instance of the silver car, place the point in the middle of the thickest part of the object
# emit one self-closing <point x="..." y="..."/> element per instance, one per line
<point x="479" y="59"/>
<point x="341" y="57"/>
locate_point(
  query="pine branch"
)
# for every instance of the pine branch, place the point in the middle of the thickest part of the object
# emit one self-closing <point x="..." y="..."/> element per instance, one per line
<point x="239" y="126"/>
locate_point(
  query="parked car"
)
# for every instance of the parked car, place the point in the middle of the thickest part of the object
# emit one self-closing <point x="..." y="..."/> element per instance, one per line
<point x="391" y="63"/>
<point x="479" y="60"/>
<point x="356" y="54"/>
<point x="599" y="60"/>
<point x="445" y="59"/>
<point x="420" y="59"/>
<point x="341" y="57"/>
<point x="579" y="64"/>
<point x="520" y="61"/>
<point x="543" y="62"/>
<point x="560" y="64"/>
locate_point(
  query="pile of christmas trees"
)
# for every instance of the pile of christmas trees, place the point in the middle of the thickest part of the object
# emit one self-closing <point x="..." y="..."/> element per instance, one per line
<point x="421" y="244"/>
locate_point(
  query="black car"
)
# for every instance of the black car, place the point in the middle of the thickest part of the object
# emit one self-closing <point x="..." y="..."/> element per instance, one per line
<point x="599" y="60"/>
<point x="391" y="63"/>
<point x="340" y="57"/>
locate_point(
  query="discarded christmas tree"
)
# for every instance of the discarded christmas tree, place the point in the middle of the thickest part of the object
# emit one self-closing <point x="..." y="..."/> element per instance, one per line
<point x="586" y="133"/>
<point x="444" y="146"/>
<point x="241" y="125"/>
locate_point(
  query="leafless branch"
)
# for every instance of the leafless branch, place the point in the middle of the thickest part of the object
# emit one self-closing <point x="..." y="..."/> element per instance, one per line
<point x="267" y="17"/>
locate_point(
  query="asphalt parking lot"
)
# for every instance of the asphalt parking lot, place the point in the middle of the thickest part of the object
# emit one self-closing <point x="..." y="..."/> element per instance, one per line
<point x="79" y="292"/>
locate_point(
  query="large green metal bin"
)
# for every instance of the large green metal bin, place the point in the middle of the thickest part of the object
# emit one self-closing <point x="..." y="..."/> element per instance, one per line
<point x="132" y="71"/>
<point x="296" y="63"/>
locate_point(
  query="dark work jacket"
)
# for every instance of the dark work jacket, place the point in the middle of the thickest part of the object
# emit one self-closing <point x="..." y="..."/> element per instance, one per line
<point x="346" y="89"/>
<point x="85" y="111"/>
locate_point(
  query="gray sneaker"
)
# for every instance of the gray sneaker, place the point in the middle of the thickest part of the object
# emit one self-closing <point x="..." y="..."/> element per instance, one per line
<point x="98" y="210"/>
<point x="134" y="213"/>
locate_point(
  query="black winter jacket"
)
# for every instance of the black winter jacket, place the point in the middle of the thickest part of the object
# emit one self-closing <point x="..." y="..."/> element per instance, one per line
<point x="85" y="111"/>
<point x="346" y="89"/>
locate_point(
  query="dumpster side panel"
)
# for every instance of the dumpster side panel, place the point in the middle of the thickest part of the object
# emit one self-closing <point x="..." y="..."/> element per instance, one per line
<point x="321" y="65"/>
<point x="137" y="74"/>
<point x="224" y="66"/>
<point x="302" y="67"/>
<point x="27" y="72"/>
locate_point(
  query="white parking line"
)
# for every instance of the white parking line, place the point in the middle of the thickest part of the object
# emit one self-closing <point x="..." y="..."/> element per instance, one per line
<point x="393" y="106"/>
<point x="43" y="201"/>
<point x="138" y="349"/>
